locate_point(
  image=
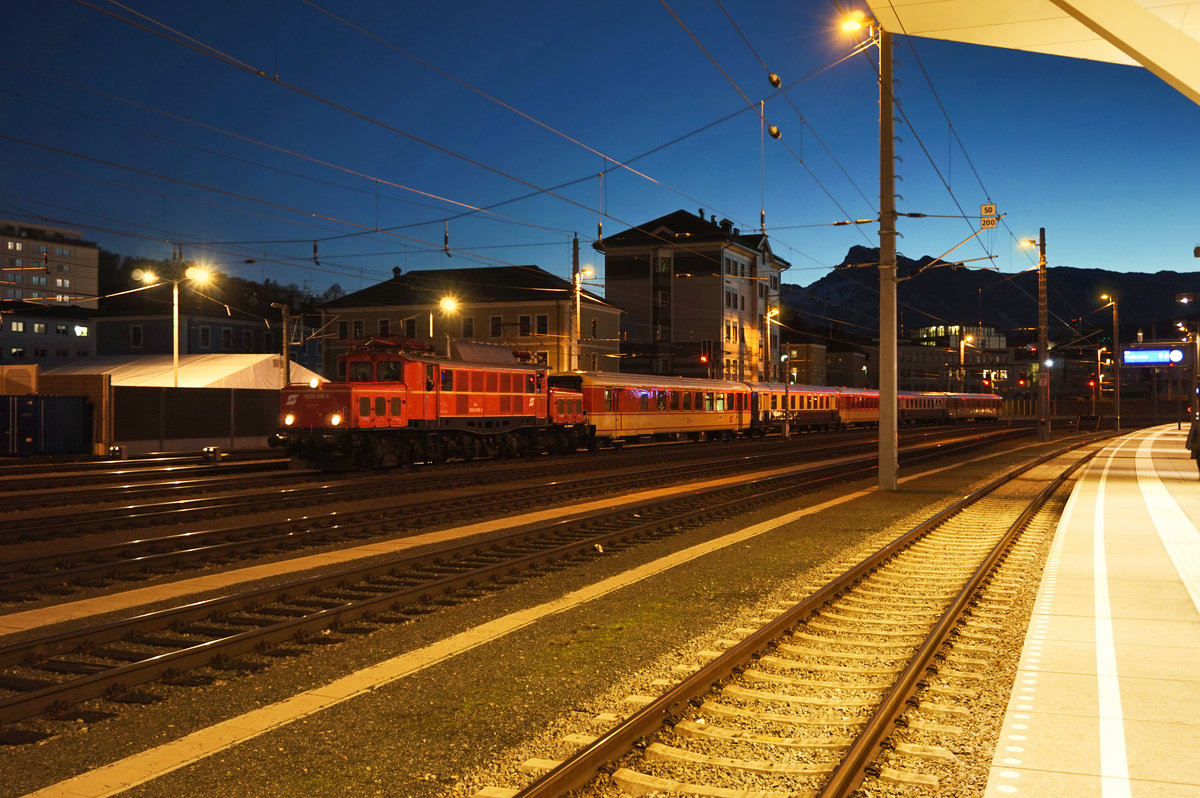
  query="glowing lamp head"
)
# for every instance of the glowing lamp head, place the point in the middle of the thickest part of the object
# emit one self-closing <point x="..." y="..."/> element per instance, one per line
<point x="289" y="420"/>
<point x="854" y="21"/>
<point x="448" y="304"/>
<point x="335" y="420"/>
<point x="314" y="383"/>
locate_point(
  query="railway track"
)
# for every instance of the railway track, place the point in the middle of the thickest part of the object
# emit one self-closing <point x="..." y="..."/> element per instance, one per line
<point x="244" y="630"/>
<point x="805" y="705"/>
<point x="94" y="566"/>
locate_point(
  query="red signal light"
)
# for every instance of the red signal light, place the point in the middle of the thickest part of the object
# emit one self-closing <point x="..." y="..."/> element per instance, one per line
<point x="704" y="358"/>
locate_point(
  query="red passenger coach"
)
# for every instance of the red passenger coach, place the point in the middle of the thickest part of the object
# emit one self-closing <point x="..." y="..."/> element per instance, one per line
<point x="397" y="404"/>
<point x="630" y="407"/>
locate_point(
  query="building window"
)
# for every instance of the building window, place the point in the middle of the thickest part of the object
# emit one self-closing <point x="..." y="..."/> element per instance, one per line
<point x="593" y="328"/>
<point x="16" y="246"/>
<point x="205" y="337"/>
<point x="226" y="339"/>
<point x="135" y="336"/>
<point x="468" y="327"/>
<point x="18" y="326"/>
<point x="247" y="340"/>
<point x="496" y="326"/>
<point x="543" y="324"/>
<point x="60" y="329"/>
<point x="359" y="329"/>
<point x="541" y="357"/>
<point x="62" y="282"/>
<point x="410" y="328"/>
<point x="17" y="352"/>
<point x="39" y="327"/>
<point x="385" y="327"/>
<point x="343" y="330"/>
<point x="524" y="327"/>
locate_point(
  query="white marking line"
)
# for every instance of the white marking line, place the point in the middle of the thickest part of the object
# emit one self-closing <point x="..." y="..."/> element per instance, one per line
<point x="1114" y="767"/>
<point x="1179" y="535"/>
<point x="147" y="765"/>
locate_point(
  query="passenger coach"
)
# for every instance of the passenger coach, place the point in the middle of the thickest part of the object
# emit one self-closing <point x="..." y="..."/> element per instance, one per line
<point x="630" y="407"/>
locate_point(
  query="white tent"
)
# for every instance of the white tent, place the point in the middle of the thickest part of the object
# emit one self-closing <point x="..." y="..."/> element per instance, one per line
<point x="195" y="371"/>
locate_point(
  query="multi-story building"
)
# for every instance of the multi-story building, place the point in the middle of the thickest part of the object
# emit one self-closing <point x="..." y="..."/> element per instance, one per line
<point x="44" y="264"/>
<point x="46" y="335"/>
<point x="524" y="308"/>
<point x="700" y="298"/>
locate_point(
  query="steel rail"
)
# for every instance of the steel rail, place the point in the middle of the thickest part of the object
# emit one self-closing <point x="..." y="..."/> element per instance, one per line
<point x="584" y="765"/>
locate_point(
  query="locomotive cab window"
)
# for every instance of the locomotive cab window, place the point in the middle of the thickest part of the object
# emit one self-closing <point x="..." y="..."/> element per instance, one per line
<point x="389" y="371"/>
<point x="529" y="384"/>
<point x="358" y="371"/>
<point x="447" y="380"/>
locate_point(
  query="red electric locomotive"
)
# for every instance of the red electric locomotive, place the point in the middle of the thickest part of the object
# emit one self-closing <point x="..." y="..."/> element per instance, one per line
<point x="397" y="404"/>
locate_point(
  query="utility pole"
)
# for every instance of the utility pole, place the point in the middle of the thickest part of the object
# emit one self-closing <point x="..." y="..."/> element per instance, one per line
<point x="1043" y="344"/>
<point x="287" y="370"/>
<point x="889" y="457"/>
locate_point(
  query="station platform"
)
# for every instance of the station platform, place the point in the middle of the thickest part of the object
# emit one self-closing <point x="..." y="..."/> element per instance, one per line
<point x="1107" y="697"/>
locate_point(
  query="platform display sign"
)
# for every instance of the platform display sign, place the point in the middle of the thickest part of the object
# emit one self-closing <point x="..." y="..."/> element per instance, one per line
<point x="1165" y="356"/>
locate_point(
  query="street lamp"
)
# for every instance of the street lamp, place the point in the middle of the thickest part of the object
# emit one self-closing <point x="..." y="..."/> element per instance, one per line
<point x="196" y="275"/>
<point x="889" y="461"/>
<point x="1116" y="352"/>
<point x="287" y="366"/>
<point x="768" y="318"/>
<point x="447" y="305"/>
<point x="963" y="340"/>
<point x="577" y="319"/>
<point x="1043" y="339"/>
<point x="1187" y="299"/>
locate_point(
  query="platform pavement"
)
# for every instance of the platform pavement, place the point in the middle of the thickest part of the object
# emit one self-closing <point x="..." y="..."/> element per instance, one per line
<point x="1107" y="698"/>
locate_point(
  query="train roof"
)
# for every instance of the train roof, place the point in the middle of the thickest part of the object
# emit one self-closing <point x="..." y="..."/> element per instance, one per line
<point x="609" y="379"/>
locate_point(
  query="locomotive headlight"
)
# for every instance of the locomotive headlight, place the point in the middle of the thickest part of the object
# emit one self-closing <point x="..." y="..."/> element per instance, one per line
<point x="289" y="420"/>
<point x="314" y="383"/>
<point x="335" y="419"/>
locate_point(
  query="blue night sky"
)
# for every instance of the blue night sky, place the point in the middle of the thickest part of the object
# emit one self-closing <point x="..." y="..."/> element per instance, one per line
<point x="394" y="122"/>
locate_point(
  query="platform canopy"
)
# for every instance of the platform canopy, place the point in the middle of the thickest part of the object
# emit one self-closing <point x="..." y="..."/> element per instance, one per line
<point x="1160" y="35"/>
<point x="195" y="371"/>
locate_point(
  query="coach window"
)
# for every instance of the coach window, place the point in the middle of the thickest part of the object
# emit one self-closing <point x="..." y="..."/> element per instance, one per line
<point x="609" y="403"/>
<point x="674" y="400"/>
<point x="389" y="371"/>
<point x="662" y="400"/>
<point x="720" y="399"/>
<point x="708" y="401"/>
<point x="644" y="400"/>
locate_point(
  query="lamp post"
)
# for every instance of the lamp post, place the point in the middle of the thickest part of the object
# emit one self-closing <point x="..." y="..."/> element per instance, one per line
<point x="1194" y="393"/>
<point x="1116" y="353"/>
<point x="1043" y="374"/>
<point x="446" y="304"/>
<point x="963" y="340"/>
<point x="193" y="273"/>
<point x="889" y="460"/>
<point x="767" y="319"/>
<point x="577" y="319"/>
<point x="1099" y="378"/>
